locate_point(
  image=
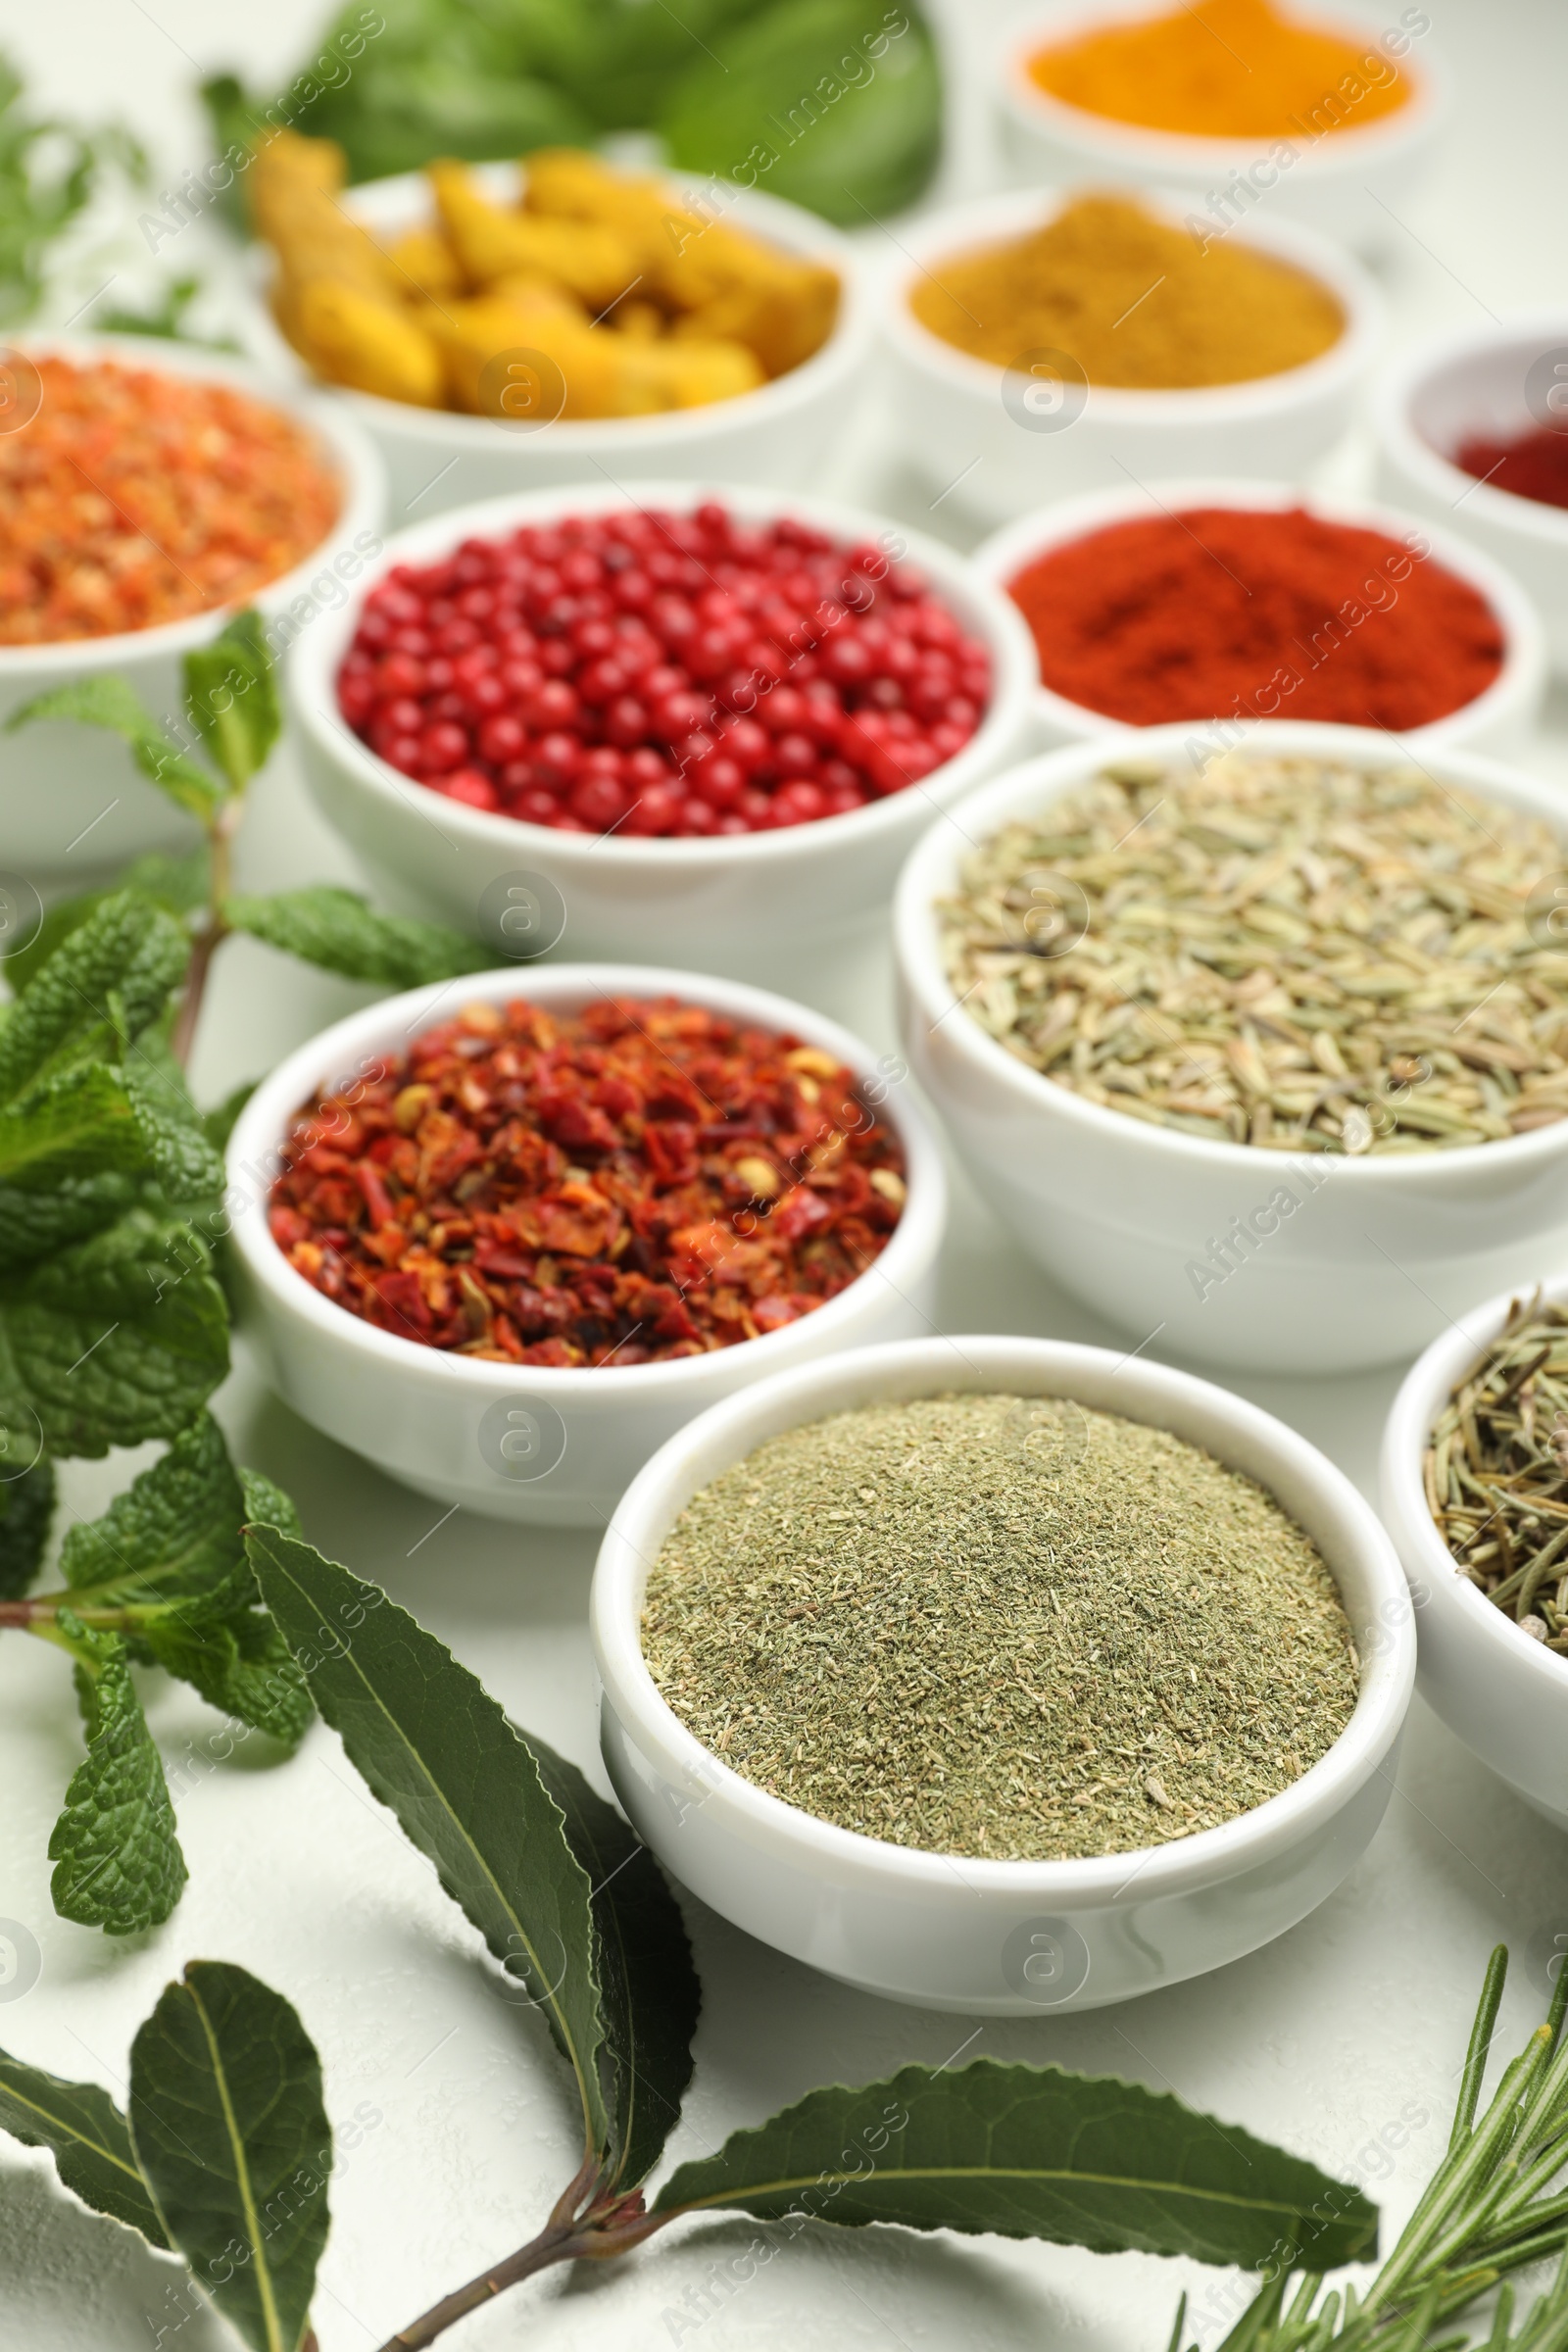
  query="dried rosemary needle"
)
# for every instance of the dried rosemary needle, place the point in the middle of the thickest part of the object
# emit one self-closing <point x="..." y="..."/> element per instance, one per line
<point x="1289" y="953"/>
<point x="919" y="1621"/>
<point x="1496" y="1471"/>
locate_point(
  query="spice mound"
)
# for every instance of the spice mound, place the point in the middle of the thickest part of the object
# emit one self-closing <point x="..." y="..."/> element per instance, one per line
<point x="1533" y="464"/>
<point x="644" y="672"/>
<point x="132" y="499"/>
<point x="1134" y="300"/>
<point x="1291" y="952"/>
<point x="1000" y="1626"/>
<point x="1224" y="69"/>
<point x="626" y="1185"/>
<point x="1496" y="1472"/>
<point x="595" y="294"/>
<point x="1221" y="611"/>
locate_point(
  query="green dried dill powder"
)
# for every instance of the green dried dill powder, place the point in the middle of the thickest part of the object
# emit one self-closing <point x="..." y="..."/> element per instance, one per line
<point x="1000" y="1626"/>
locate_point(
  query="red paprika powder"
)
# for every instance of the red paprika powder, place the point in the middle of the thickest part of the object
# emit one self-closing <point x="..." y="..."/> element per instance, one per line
<point x="1533" y="464"/>
<point x="626" y="1185"/>
<point x="1223" y="611"/>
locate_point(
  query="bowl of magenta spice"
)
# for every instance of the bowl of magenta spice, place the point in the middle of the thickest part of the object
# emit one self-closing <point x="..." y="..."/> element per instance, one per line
<point x="1475" y="1493"/>
<point x="999" y="1675"/>
<point x="502" y="1237"/>
<point x="1472" y="430"/>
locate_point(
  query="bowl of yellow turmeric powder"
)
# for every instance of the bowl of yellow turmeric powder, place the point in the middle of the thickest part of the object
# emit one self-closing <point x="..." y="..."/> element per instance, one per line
<point x="1047" y="344"/>
<point x="1242" y="106"/>
<point x="507" y="328"/>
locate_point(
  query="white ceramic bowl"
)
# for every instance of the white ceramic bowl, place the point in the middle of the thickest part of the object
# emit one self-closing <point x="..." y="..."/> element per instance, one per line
<point x="1479" y="381"/>
<point x="759" y="905"/>
<point x="1000" y="1939"/>
<point x="777" y="435"/>
<point x="1496" y="721"/>
<point x="1375" y="1254"/>
<point x="1502" y="1693"/>
<point x="978" y="430"/>
<point x="71" y="805"/>
<point x="1340" y="184"/>
<point x="522" y="1443"/>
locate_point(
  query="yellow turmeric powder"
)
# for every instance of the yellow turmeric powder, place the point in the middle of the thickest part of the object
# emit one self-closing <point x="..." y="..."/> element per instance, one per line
<point x="1224" y="69"/>
<point x="1133" y="300"/>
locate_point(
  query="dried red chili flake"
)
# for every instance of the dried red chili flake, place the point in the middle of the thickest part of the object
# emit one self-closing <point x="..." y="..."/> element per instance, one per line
<point x="659" y="673"/>
<point x="626" y="1185"/>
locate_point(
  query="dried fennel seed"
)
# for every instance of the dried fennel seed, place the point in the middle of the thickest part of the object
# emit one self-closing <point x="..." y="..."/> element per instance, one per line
<point x="1285" y="953"/>
<point x="1496" y="1471"/>
<point x="907" y="1621"/>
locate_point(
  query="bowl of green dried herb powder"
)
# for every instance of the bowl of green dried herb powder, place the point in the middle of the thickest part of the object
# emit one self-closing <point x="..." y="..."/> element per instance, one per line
<point x="997" y="1674"/>
<point x="1264" y="1046"/>
<point x="1474" y="1490"/>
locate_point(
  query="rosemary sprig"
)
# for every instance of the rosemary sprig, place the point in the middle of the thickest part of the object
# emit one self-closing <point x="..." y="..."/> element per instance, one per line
<point x="1491" y="2208"/>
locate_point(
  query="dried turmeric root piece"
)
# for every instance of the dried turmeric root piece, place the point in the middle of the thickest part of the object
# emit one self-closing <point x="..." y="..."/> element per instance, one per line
<point x="351" y="338"/>
<point x="429" y="269"/>
<point x="491" y="243"/>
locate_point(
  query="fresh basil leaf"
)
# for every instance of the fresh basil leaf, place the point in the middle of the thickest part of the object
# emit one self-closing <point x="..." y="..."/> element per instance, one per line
<point x="231" y="697"/>
<point x="801" y="97"/>
<point x="173" y="1534"/>
<point x="117" y="1855"/>
<point x="649" y="1990"/>
<point x="231" y="2134"/>
<point x="108" y="702"/>
<point x="177" y="885"/>
<point x="342" y="932"/>
<point x="465" y="1785"/>
<point x="1024" y="2151"/>
<point x="27" y="1507"/>
<point x="87" y="2137"/>
<point x="102" y="987"/>
<point x="119" y="1338"/>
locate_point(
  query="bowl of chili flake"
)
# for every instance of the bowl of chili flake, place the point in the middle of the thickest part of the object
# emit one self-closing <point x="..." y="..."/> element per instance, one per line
<point x="147" y="492"/>
<point x="504" y="1250"/>
<point x="705" y="724"/>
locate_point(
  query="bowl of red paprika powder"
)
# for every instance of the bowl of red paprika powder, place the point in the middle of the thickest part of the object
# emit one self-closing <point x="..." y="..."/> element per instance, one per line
<point x="504" y="1239"/>
<point x="702" y="725"/>
<point x="1212" y="600"/>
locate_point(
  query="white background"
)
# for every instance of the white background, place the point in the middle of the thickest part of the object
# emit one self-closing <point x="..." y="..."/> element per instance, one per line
<point x="1319" y="2043"/>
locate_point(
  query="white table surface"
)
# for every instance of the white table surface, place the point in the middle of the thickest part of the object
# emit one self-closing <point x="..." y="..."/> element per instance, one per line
<point x="1318" y="2043"/>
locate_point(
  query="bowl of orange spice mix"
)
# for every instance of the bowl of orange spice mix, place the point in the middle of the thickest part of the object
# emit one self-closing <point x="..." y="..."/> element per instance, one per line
<point x="147" y="492"/>
<point x="1233" y="105"/>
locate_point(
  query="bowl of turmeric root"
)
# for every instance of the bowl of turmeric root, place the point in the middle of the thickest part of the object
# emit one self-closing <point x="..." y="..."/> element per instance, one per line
<point x="507" y="326"/>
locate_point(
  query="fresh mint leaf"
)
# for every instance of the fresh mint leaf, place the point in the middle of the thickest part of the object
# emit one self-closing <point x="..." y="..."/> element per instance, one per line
<point x="231" y="2134"/>
<point x="119" y="1338"/>
<point x="27" y="1507"/>
<point x="87" y="2137"/>
<point x="648" y="1986"/>
<point x="268" y="1505"/>
<point x="342" y="932"/>
<point x="108" y="702"/>
<point x="183" y="1163"/>
<point x="34" y="1225"/>
<point x="100" y="989"/>
<point x="465" y="1785"/>
<point x="1025" y="2151"/>
<point x="80" y="1125"/>
<point x="217" y="1124"/>
<point x="231" y="698"/>
<point x="176" y="885"/>
<point x="117" y="1855"/>
<point x="173" y="1534"/>
<point x="240" y="1665"/>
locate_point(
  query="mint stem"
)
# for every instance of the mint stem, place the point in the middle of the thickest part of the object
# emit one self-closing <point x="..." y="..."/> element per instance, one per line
<point x="213" y="931"/>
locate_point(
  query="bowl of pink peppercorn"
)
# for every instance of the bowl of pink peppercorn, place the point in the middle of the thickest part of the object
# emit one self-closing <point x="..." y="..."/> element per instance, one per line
<point x="703" y="725"/>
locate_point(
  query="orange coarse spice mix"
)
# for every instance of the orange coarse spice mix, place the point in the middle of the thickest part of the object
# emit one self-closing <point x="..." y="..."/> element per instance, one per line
<point x="626" y="1185"/>
<point x="133" y="498"/>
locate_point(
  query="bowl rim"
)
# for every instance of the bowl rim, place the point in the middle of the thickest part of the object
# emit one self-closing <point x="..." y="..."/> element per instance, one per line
<point x="1033" y="783"/>
<point x="1420" y="1395"/>
<point x="801" y="233"/>
<point x="351" y="452"/>
<point x="1173" y="1867"/>
<point x="1393" y="429"/>
<point x="949" y="229"/>
<point x="261" y="1125"/>
<point x="1105" y="137"/>
<point x="995" y="616"/>
<point x="1048" y="528"/>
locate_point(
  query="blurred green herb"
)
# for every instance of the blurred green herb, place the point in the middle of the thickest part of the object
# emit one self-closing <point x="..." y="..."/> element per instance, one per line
<point x="49" y="172"/>
<point x="167" y="314"/>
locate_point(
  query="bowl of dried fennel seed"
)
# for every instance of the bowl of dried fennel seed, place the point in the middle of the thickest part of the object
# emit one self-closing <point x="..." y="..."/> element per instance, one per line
<point x="1474" y="1488"/>
<point x="1256" y="1036"/>
<point x="1001" y="1675"/>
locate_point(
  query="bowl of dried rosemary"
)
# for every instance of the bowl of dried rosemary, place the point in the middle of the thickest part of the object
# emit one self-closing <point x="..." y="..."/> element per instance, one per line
<point x="1257" y="1037"/>
<point x="1474" y="1488"/>
<point x="1001" y="1675"/>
